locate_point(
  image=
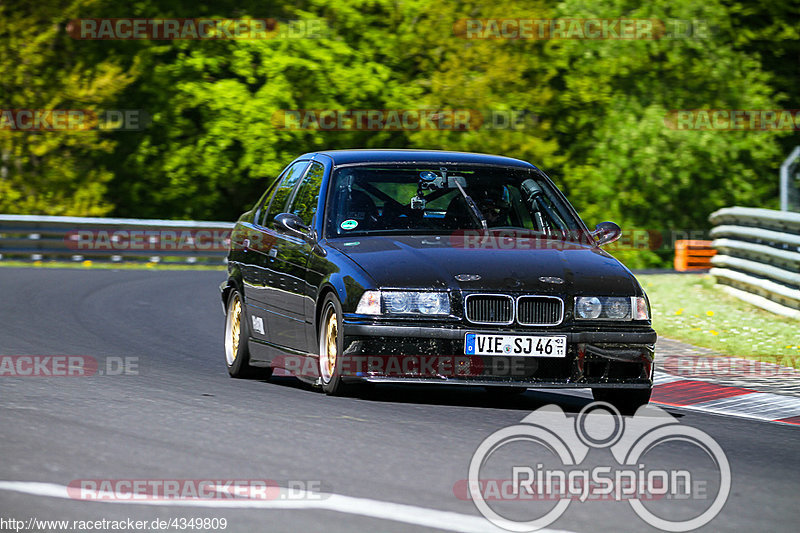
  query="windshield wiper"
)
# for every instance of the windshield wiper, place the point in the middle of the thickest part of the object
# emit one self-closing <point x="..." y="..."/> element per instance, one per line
<point x="473" y="208"/>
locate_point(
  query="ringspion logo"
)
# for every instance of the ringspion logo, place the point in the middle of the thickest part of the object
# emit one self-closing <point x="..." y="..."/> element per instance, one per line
<point x="518" y="472"/>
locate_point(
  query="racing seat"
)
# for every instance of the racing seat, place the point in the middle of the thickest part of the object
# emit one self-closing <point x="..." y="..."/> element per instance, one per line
<point x="360" y="207"/>
<point x="458" y="214"/>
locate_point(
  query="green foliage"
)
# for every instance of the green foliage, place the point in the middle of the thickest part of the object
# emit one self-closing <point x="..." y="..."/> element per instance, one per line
<point x="694" y="308"/>
<point x="54" y="173"/>
<point x="623" y="159"/>
<point x="596" y="108"/>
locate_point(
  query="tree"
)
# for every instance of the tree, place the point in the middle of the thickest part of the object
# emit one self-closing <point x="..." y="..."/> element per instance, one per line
<point x="53" y="172"/>
<point x="623" y="160"/>
<point x="597" y="111"/>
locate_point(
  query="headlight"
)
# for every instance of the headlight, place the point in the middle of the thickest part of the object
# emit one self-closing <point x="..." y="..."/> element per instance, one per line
<point x="617" y="308"/>
<point x="398" y="303"/>
<point x="588" y="307"/>
<point x="404" y="303"/>
<point x="432" y="303"/>
<point x="611" y="308"/>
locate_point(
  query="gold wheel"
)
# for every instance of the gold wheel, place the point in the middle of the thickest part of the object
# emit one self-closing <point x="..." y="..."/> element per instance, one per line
<point x="329" y="346"/>
<point x="236" y="325"/>
<point x="331" y="357"/>
<point x="234" y="329"/>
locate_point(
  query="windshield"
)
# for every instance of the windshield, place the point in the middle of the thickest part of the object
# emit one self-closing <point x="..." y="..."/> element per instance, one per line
<point x="421" y="200"/>
<point x="444" y="199"/>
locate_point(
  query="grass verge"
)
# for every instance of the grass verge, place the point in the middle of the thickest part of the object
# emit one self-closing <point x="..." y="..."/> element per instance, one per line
<point x="689" y="308"/>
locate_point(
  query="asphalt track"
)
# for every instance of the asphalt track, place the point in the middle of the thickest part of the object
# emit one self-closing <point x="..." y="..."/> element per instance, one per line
<point x="389" y="459"/>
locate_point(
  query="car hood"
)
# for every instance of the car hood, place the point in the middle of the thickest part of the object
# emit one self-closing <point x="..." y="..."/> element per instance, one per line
<point x="435" y="261"/>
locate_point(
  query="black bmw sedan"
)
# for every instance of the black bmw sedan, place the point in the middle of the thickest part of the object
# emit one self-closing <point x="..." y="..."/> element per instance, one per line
<point x="432" y="267"/>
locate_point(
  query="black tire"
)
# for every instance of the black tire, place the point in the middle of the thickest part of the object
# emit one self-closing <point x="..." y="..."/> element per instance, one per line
<point x="237" y="354"/>
<point x="627" y="401"/>
<point x="330" y="372"/>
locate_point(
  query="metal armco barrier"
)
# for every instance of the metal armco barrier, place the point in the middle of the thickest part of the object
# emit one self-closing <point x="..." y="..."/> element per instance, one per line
<point x="758" y="256"/>
<point x="116" y="239"/>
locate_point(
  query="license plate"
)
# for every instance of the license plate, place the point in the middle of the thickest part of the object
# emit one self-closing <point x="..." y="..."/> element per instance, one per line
<point x="522" y="345"/>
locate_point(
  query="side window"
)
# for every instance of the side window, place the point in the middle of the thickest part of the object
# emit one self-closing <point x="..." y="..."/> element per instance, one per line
<point x="263" y="202"/>
<point x="283" y="191"/>
<point x="304" y="204"/>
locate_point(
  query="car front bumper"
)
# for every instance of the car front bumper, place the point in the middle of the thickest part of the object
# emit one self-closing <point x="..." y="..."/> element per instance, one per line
<point x="596" y="357"/>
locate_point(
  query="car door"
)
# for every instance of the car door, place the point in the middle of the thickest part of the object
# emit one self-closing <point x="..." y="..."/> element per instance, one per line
<point x="273" y="296"/>
<point x="289" y="264"/>
<point x="260" y="279"/>
<point x="247" y="253"/>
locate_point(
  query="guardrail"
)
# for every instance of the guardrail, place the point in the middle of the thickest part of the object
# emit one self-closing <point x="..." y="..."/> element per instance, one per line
<point x="758" y="256"/>
<point x="114" y="239"/>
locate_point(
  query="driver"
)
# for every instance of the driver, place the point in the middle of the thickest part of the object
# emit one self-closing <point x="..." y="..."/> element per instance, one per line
<point x="492" y="200"/>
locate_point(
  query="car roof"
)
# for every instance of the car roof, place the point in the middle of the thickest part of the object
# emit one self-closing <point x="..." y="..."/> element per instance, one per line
<point x="349" y="157"/>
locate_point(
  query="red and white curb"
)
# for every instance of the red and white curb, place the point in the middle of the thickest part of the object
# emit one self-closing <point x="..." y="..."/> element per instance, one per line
<point x="709" y="397"/>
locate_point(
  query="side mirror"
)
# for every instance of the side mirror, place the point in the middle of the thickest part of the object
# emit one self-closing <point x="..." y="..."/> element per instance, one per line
<point x="292" y="224"/>
<point x="606" y="232"/>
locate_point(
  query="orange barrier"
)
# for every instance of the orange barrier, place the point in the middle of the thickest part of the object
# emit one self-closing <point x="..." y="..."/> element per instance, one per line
<point x="693" y="255"/>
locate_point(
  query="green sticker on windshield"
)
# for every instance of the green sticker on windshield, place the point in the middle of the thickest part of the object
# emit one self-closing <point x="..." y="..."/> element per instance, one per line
<point x="349" y="224"/>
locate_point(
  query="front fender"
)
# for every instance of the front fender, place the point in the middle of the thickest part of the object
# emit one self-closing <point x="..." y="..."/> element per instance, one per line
<point x="346" y="278"/>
